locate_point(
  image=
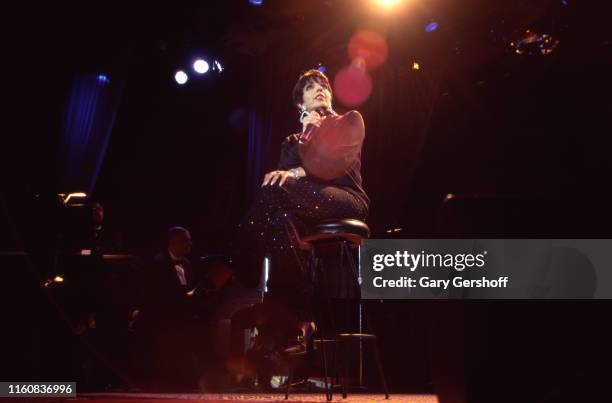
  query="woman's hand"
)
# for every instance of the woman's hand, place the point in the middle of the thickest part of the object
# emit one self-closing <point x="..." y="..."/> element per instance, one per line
<point x="281" y="176"/>
<point x="313" y="118"/>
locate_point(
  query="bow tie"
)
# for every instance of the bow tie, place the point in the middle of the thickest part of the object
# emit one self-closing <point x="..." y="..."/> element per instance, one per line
<point x="181" y="262"/>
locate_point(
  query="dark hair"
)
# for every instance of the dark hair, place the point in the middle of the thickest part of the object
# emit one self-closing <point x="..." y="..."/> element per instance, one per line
<point x="174" y="232"/>
<point x="312" y="75"/>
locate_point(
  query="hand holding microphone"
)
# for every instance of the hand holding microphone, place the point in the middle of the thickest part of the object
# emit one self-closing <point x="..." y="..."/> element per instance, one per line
<point x="310" y="120"/>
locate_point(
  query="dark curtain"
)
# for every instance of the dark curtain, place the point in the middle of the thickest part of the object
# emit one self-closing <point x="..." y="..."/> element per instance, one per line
<point x="258" y="145"/>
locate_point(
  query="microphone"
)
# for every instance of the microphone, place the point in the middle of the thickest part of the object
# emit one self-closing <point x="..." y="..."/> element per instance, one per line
<point x="305" y="136"/>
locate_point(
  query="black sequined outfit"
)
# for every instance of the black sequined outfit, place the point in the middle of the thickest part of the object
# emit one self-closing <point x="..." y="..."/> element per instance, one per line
<point x="280" y="213"/>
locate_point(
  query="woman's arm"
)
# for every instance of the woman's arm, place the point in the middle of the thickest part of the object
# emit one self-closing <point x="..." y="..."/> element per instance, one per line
<point x="334" y="147"/>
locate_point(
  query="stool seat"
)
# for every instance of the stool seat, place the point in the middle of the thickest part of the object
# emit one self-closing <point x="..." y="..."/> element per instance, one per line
<point x="348" y="229"/>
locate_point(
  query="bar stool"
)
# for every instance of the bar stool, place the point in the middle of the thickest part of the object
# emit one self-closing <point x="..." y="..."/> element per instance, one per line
<point x="346" y="234"/>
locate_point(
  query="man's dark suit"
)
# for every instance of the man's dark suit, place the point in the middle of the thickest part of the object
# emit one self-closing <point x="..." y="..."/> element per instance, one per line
<point x="171" y="336"/>
<point x="164" y="299"/>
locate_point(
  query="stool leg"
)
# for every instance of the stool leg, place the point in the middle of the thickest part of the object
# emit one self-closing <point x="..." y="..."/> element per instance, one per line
<point x="381" y="374"/>
<point x="355" y="275"/>
<point x="328" y="391"/>
<point x="345" y="370"/>
<point x="336" y="366"/>
<point x="355" y="281"/>
<point x="289" y="381"/>
<point x="322" y="283"/>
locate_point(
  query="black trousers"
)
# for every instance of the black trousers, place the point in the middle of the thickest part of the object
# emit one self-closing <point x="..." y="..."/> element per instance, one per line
<point x="273" y="225"/>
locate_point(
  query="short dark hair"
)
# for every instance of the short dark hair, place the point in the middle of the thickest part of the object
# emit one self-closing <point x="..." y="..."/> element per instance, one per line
<point x="312" y="75"/>
<point x="174" y="232"/>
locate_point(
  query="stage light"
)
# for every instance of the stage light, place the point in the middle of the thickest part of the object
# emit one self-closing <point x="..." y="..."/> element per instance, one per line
<point x="533" y="44"/>
<point x="77" y="195"/>
<point x="103" y="79"/>
<point x="217" y="66"/>
<point x="321" y="68"/>
<point x="432" y="26"/>
<point x="387" y="3"/>
<point x="181" y="77"/>
<point x="201" y="66"/>
<point x="58" y="279"/>
<point x="415" y="66"/>
<point x="256" y="2"/>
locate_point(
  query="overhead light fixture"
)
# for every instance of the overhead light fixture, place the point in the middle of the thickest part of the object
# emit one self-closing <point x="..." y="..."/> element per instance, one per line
<point x="75" y="197"/>
<point x="201" y="66"/>
<point x="181" y="77"/>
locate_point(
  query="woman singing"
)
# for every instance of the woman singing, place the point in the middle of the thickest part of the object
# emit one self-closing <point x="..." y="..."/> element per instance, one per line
<point x="318" y="177"/>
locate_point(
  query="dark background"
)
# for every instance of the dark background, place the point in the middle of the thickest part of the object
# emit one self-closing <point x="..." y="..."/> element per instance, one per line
<point x="525" y="140"/>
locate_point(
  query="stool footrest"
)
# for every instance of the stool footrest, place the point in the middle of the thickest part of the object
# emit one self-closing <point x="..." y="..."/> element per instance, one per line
<point x="356" y="336"/>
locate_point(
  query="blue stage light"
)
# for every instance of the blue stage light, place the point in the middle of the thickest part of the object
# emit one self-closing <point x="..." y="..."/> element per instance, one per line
<point x="256" y="2"/>
<point x="432" y="26"/>
<point x="103" y="79"/>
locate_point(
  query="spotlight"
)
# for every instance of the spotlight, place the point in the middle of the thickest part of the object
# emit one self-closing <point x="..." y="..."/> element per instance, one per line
<point x="256" y="2"/>
<point x="432" y="26"/>
<point x="321" y="68"/>
<point x="217" y="66"/>
<point x="103" y="79"/>
<point x="201" y="66"/>
<point x="181" y="77"/>
<point x="387" y="3"/>
<point x="415" y="66"/>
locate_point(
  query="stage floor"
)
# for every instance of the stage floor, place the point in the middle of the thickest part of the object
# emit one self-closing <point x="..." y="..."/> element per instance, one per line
<point x="225" y="397"/>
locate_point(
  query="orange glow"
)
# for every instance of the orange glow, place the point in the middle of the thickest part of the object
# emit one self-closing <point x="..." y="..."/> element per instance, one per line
<point x="58" y="279"/>
<point x="388" y="4"/>
<point x="415" y="66"/>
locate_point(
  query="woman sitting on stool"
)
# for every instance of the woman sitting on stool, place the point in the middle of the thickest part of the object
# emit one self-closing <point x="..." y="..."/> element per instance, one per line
<point x="318" y="177"/>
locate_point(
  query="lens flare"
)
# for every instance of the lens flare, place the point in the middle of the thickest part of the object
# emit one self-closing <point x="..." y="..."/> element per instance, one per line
<point x="352" y="85"/>
<point x="369" y="46"/>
